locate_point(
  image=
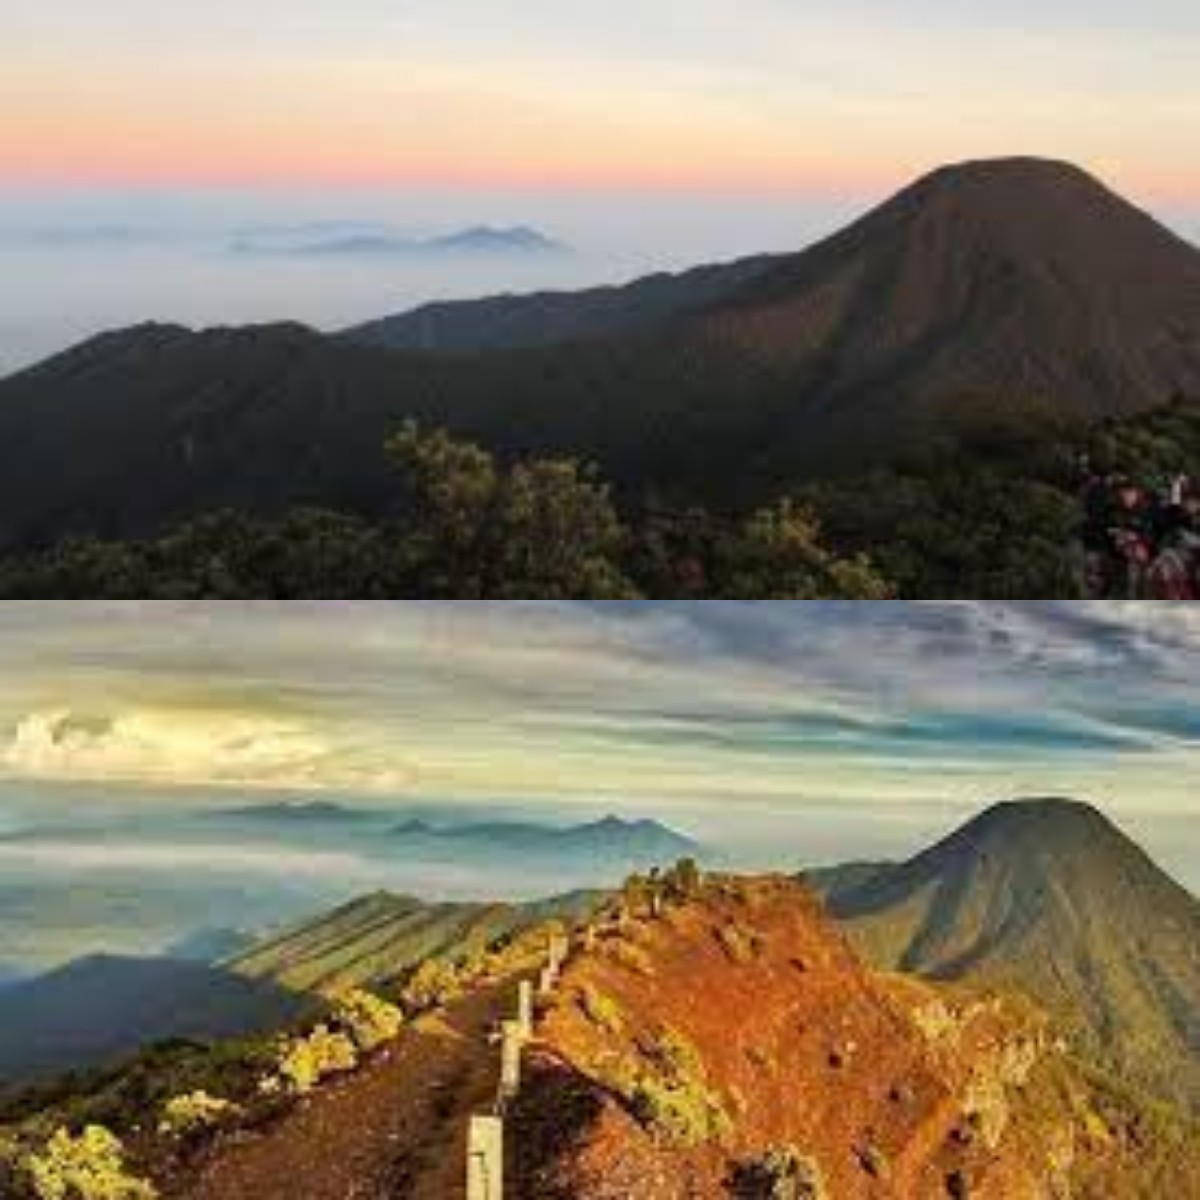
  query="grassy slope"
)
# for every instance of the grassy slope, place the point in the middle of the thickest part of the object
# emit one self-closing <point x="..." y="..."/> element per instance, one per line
<point x="1051" y="899"/>
<point x="379" y="937"/>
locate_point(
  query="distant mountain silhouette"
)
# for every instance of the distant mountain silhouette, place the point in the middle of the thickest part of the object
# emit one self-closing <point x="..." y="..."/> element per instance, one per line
<point x="611" y="842"/>
<point x="1049" y="897"/>
<point x="367" y="243"/>
<point x="304" y="812"/>
<point x="990" y="286"/>
<point x="489" y="239"/>
<point x="98" y="1009"/>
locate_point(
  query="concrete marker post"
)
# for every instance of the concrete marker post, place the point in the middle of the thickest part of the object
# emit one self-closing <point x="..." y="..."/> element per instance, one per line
<point x="510" y="1059"/>
<point x="525" y="1008"/>
<point x="485" y="1159"/>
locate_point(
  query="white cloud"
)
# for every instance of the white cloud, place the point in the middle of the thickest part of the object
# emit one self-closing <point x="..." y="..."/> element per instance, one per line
<point x="180" y="747"/>
<point x="773" y="702"/>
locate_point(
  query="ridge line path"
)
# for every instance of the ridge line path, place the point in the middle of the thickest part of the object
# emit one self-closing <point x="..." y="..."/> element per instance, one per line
<point x="395" y="1129"/>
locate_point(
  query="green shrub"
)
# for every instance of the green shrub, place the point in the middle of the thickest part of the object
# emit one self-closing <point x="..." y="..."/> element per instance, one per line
<point x="781" y="1174"/>
<point x="195" y="1112"/>
<point x="670" y="1096"/>
<point x="304" y="1062"/>
<point x="685" y="879"/>
<point x="683" y="1111"/>
<point x="603" y="1011"/>
<point x="434" y="983"/>
<point x="90" y="1166"/>
<point x="366" y="1019"/>
<point x="674" y="1055"/>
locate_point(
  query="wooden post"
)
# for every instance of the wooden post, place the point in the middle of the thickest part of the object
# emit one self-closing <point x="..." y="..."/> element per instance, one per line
<point x="510" y="1059"/>
<point x="546" y="981"/>
<point x="485" y="1159"/>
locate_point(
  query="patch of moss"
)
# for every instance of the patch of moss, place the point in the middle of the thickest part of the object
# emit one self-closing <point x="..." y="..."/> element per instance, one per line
<point x="602" y="1010"/>
<point x="783" y="1173"/>
<point x="90" y="1166"/>
<point x="681" y="1111"/>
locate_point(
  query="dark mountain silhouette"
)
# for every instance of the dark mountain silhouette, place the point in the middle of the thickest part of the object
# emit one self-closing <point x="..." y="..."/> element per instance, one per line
<point x="98" y="1009"/>
<point x="1049" y="897"/>
<point x="987" y="288"/>
<point x="551" y="318"/>
<point x="1020" y="276"/>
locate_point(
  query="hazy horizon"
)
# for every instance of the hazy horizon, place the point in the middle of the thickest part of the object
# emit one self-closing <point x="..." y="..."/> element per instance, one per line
<point x="94" y="261"/>
<point x="679" y="135"/>
<point x="703" y="700"/>
<point x="91" y="262"/>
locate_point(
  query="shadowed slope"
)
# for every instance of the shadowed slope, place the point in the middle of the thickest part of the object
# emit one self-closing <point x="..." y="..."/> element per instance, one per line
<point x="995" y="287"/>
<point x="552" y="318"/>
<point x="97" y="1010"/>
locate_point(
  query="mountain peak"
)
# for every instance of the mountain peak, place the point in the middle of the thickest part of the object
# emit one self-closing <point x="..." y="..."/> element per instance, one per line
<point x="1049" y="895"/>
<point x="1044" y="827"/>
<point x="1046" y="810"/>
<point x="1033" y="193"/>
<point x="1018" y="284"/>
<point x="1014" y="170"/>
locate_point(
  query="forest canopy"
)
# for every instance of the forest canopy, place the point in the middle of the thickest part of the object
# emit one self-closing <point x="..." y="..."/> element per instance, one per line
<point x="990" y="510"/>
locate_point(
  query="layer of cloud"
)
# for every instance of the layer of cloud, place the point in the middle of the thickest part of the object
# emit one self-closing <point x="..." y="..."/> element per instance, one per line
<point x="771" y="704"/>
<point x="183" y="747"/>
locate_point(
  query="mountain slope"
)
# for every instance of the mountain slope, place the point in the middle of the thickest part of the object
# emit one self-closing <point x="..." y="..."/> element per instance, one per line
<point x="988" y="287"/>
<point x="1020" y="276"/>
<point x="102" y="1008"/>
<point x="703" y="1030"/>
<point x="1049" y="897"/>
<point x="376" y="939"/>
<point x="550" y="318"/>
<point x="683" y="1049"/>
<point x="98" y="1009"/>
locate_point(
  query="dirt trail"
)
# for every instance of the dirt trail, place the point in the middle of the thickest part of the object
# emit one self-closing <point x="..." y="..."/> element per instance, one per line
<point x="395" y="1130"/>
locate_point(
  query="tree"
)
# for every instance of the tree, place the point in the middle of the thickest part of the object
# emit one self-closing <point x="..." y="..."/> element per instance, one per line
<point x="778" y="555"/>
<point x="543" y="529"/>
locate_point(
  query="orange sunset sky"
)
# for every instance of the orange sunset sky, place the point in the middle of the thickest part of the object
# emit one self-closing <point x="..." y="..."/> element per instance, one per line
<point x="761" y="95"/>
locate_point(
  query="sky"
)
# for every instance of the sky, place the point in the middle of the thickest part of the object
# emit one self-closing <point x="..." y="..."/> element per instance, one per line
<point x="723" y="714"/>
<point x="648" y="136"/>
<point x="578" y="93"/>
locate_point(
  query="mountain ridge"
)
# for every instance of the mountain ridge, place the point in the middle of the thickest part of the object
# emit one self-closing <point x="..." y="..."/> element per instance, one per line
<point x="128" y="1002"/>
<point x="523" y="321"/>
<point x="996" y="285"/>
<point x="1050" y="897"/>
